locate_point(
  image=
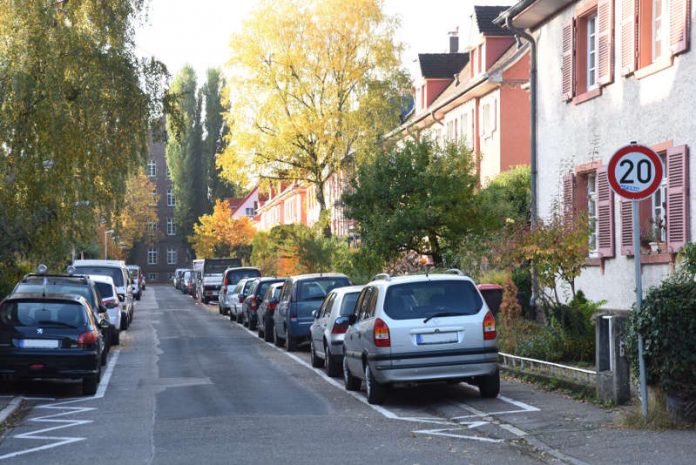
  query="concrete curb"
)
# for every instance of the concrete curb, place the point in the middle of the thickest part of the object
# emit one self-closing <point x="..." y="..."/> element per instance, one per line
<point x="10" y="409"/>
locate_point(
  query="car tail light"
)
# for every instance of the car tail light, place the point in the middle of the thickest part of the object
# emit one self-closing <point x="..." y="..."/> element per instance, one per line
<point x="272" y="306"/>
<point x="252" y="302"/>
<point x="381" y="334"/>
<point x="224" y="282"/>
<point x="489" y="327"/>
<point x="87" y="338"/>
<point x="293" y="314"/>
<point x="340" y="325"/>
<point x="242" y="297"/>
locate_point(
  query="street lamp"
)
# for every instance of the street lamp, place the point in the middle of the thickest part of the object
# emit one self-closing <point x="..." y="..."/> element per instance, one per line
<point x="106" y="233"/>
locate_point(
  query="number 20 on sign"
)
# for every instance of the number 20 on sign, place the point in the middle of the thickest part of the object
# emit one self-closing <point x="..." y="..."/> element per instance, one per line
<point x="635" y="173"/>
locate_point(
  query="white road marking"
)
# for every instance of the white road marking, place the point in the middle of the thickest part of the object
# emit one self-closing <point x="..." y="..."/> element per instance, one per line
<point x="443" y="432"/>
<point x="517" y="403"/>
<point x="65" y="410"/>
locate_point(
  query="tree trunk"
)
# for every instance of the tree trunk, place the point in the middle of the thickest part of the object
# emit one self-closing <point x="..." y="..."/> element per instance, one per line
<point x="435" y="249"/>
<point x="321" y="200"/>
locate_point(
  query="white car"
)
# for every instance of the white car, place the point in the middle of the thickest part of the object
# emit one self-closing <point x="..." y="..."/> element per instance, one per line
<point x="122" y="280"/>
<point x="109" y="297"/>
<point x="230" y="280"/>
<point x="420" y="328"/>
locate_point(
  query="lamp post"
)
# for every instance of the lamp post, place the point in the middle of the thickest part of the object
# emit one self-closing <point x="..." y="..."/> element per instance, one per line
<point x="106" y="233"/>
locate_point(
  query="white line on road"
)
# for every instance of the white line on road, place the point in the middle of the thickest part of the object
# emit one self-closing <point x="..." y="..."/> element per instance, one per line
<point x="64" y="423"/>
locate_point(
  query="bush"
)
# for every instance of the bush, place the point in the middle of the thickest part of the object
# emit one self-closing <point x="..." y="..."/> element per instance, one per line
<point x="510" y="308"/>
<point x="667" y="322"/>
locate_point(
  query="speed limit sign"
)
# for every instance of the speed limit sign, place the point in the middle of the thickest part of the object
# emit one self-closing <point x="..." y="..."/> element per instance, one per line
<point x="635" y="172"/>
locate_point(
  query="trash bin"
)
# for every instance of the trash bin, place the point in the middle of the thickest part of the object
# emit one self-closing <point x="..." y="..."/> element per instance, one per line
<point x="613" y="371"/>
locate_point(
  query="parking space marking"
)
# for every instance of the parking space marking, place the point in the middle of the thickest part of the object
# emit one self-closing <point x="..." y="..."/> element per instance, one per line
<point x="65" y="408"/>
<point x="445" y="433"/>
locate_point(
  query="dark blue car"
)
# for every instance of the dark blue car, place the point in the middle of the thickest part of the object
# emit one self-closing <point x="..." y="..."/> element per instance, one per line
<point x="301" y="295"/>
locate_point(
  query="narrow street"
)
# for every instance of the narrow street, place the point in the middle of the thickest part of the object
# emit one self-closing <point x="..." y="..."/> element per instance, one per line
<point x="189" y="386"/>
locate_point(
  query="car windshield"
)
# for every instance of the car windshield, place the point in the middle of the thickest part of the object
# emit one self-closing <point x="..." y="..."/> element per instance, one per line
<point x="106" y="290"/>
<point x="247" y="287"/>
<point x="425" y="299"/>
<point x="263" y="287"/>
<point x="42" y="313"/>
<point x="316" y="289"/>
<point x="115" y="273"/>
<point x="234" y="276"/>
<point x="348" y="303"/>
<point x="216" y="267"/>
<point x="82" y="290"/>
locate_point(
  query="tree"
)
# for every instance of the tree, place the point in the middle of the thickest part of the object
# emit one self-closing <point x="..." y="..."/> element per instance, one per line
<point x="419" y="197"/>
<point x="220" y="235"/>
<point x="216" y="130"/>
<point x="314" y="82"/>
<point x="138" y="212"/>
<point x="75" y="108"/>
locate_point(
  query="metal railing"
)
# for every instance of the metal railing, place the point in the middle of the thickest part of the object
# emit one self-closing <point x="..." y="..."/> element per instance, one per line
<point x="549" y="369"/>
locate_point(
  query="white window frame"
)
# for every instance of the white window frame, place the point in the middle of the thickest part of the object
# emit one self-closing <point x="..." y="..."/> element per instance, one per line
<point x="172" y="256"/>
<point x="152" y="277"/>
<point x="659" y="205"/>
<point x="171" y="200"/>
<point x="171" y="227"/>
<point x="592" y="50"/>
<point x="592" y="214"/>
<point x="660" y="40"/>
<point x="151" y="168"/>
<point x="152" y="255"/>
<point x="249" y="211"/>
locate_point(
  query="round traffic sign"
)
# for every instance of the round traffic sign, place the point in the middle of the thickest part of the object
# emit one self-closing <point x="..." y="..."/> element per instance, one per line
<point x="635" y="172"/>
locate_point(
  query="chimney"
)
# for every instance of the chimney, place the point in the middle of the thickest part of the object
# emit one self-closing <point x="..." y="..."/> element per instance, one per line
<point x="454" y="41"/>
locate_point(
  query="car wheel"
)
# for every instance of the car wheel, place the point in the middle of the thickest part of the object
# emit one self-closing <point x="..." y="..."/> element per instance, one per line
<point x="124" y="322"/>
<point x="252" y="323"/>
<point x="489" y="385"/>
<point x="91" y="383"/>
<point x="231" y="315"/>
<point x="277" y="340"/>
<point x="291" y="343"/>
<point x="220" y="310"/>
<point x="268" y="332"/>
<point x="206" y="300"/>
<point x="116" y="337"/>
<point x="349" y="381"/>
<point x="316" y="361"/>
<point x="376" y="392"/>
<point x="104" y="356"/>
<point x="333" y="365"/>
<point x="259" y="331"/>
<point x="138" y="295"/>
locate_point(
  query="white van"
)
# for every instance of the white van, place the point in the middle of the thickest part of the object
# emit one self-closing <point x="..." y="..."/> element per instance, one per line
<point x="117" y="270"/>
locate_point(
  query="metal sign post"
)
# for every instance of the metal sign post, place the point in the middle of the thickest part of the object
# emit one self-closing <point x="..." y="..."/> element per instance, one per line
<point x="635" y="173"/>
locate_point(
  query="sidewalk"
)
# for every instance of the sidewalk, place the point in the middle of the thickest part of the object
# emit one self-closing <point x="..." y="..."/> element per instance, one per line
<point x="8" y="405"/>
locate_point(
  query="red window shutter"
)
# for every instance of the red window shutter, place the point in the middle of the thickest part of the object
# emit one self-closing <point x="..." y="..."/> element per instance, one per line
<point x="568" y="198"/>
<point x="677" y="197"/>
<point x="628" y="36"/>
<point x="626" y="228"/>
<point x="605" y="215"/>
<point x="605" y="20"/>
<point x="568" y="61"/>
<point x="679" y="25"/>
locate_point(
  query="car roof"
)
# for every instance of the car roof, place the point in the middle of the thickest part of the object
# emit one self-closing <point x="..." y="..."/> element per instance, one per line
<point x="233" y="268"/>
<point x="47" y="296"/>
<point x="102" y="279"/>
<point x="416" y="278"/>
<point x="347" y="289"/>
<point x="79" y="278"/>
<point x="263" y="279"/>
<point x="308" y="276"/>
<point x="109" y="263"/>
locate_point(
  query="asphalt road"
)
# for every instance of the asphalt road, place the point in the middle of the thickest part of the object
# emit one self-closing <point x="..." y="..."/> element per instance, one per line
<point x="188" y="386"/>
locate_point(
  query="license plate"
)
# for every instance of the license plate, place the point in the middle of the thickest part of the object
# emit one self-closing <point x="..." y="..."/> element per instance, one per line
<point x="38" y="343"/>
<point x="436" y="338"/>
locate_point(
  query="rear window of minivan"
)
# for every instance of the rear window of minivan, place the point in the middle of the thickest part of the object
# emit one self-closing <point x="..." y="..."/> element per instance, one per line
<point x="427" y="298"/>
<point x="316" y="289"/>
<point x="115" y="273"/>
<point x="234" y="276"/>
<point x="44" y="313"/>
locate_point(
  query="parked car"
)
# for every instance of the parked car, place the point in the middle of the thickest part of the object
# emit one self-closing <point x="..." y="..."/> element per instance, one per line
<point x="209" y="276"/>
<point x="420" y="328"/>
<point x="236" y="299"/>
<point x="301" y="295"/>
<point x="178" y="276"/>
<point x="84" y="286"/>
<point x="230" y="279"/>
<point x="144" y="282"/>
<point x="138" y="280"/>
<point x="51" y="336"/>
<point x="264" y="314"/>
<point x="187" y="286"/>
<point x="109" y="299"/>
<point x="255" y="297"/>
<point x="119" y="273"/>
<point x="329" y="328"/>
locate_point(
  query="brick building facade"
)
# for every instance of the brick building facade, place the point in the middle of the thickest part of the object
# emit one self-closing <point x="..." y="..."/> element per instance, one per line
<point x="164" y="249"/>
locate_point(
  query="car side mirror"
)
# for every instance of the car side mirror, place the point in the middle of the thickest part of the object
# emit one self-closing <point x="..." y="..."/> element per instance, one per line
<point x="104" y="324"/>
<point x="315" y="313"/>
<point x="121" y="298"/>
<point x="102" y="309"/>
<point x="111" y="305"/>
<point x="352" y="319"/>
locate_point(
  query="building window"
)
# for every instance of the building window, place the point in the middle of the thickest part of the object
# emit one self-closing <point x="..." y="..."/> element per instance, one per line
<point x="592" y="214"/>
<point x="171" y="200"/>
<point x="171" y="227"/>
<point x="488" y="118"/>
<point x="592" y="52"/>
<point x="249" y="211"/>
<point x="153" y="198"/>
<point x="659" y="21"/>
<point x="151" y="168"/>
<point x="169" y="173"/>
<point x="171" y="256"/>
<point x="152" y="277"/>
<point x="152" y="256"/>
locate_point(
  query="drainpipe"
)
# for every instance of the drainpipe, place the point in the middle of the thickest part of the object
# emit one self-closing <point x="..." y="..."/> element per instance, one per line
<point x="520" y="33"/>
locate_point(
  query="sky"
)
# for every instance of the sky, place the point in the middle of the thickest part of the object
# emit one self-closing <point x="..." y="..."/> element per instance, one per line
<point x="180" y="32"/>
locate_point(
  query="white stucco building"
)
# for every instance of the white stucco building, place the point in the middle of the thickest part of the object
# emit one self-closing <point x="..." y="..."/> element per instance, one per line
<point x="611" y="72"/>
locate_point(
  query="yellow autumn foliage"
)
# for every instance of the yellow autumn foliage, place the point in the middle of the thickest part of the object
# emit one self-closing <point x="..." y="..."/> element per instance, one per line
<point x="219" y="230"/>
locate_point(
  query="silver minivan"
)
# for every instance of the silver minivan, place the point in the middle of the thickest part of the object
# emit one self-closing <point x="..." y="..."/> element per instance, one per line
<point x="117" y="270"/>
<point x="420" y="328"/>
<point x="329" y="327"/>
